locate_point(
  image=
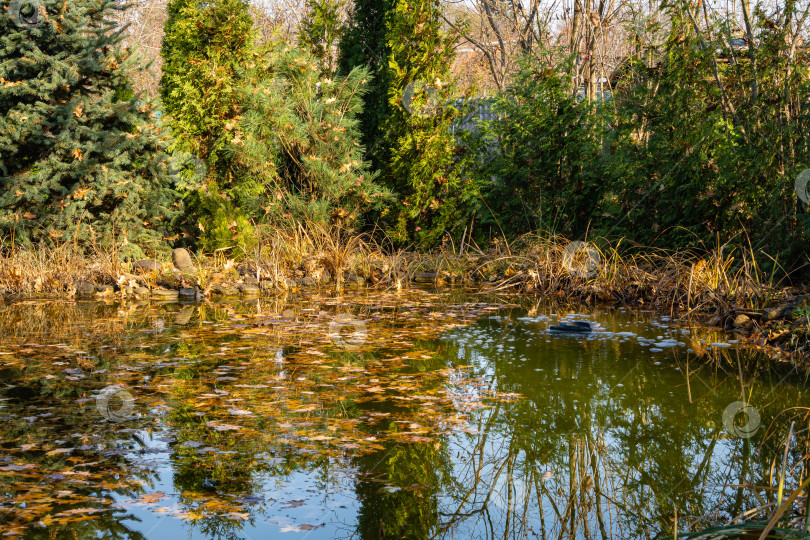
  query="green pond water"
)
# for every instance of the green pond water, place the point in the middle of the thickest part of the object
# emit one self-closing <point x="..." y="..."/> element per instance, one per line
<point x="380" y="415"/>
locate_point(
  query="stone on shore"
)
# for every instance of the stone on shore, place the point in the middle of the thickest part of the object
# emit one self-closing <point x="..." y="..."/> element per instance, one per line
<point x="224" y="290"/>
<point x="266" y="285"/>
<point x="306" y="282"/>
<point x="248" y="289"/>
<point x="181" y="259"/>
<point x="353" y="279"/>
<point x="84" y="289"/>
<point x="165" y="294"/>
<point x="743" y="321"/>
<point x="425" y="277"/>
<point x="187" y="292"/>
<point x="147" y="265"/>
<point x="141" y="291"/>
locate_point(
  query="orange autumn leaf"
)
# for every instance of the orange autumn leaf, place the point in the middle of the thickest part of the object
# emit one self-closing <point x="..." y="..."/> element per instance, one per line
<point x="151" y="498"/>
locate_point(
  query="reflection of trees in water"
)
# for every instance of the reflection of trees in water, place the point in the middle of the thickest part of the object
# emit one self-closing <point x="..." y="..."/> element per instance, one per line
<point x="90" y="476"/>
<point x="63" y="354"/>
<point x="577" y="460"/>
<point x="51" y="423"/>
<point x="399" y="486"/>
<point x="551" y="464"/>
<point x="398" y="491"/>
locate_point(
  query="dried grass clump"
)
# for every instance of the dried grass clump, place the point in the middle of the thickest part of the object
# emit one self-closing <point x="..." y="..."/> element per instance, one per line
<point x="722" y="279"/>
<point x="52" y="269"/>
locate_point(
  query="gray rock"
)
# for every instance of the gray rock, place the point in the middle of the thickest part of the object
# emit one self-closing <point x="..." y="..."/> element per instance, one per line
<point x="353" y="279"/>
<point x="84" y="288"/>
<point x="141" y="291"/>
<point x="249" y="289"/>
<point x="182" y="259"/>
<point x="773" y="314"/>
<point x="187" y="292"/>
<point x="147" y="265"/>
<point x="425" y="277"/>
<point x="306" y="282"/>
<point x="252" y="280"/>
<point x="743" y="321"/>
<point x="165" y="293"/>
<point x="224" y="290"/>
<point x="266" y="285"/>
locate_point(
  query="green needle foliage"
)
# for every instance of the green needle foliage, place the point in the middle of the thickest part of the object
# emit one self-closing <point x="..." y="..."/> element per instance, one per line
<point x="80" y="156"/>
<point x="205" y="49"/>
<point x="299" y="137"/>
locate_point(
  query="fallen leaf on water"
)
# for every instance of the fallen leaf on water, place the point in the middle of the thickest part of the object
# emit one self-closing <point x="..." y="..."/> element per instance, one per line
<point x="75" y="511"/>
<point x="222" y="427"/>
<point x="308" y="408"/>
<point x="150" y="498"/>
<point x="17" y="467"/>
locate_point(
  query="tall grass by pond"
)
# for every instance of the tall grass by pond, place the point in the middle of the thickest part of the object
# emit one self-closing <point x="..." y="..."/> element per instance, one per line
<point x="719" y="284"/>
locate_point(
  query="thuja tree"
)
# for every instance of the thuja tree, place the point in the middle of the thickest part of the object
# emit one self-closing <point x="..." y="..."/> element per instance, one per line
<point x="80" y="155"/>
<point x="299" y="136"/>
<point x="424" y="168"/>
<point x="364" y="43"/>
<point x="205" y="48"/>
<point x="542" y="155"/>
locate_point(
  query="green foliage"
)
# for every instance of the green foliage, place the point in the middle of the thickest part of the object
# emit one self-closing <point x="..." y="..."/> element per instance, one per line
<point x="205" y="48"/>
<point x="320" y="31"/>
<point x="298" y="136"/>
<point x="403" y="513"/>
<point x="694" y="159"/>
<point x="543" y="158"/>
<point x="364" y="44"/>
<point x="81" y="158"/>
<point x="673" y="157"/>
<point x="424" y="168"/>
<point x="226" y="226"/>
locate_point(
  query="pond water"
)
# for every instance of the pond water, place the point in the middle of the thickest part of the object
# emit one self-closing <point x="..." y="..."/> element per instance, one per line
<point x="411" y="415"/>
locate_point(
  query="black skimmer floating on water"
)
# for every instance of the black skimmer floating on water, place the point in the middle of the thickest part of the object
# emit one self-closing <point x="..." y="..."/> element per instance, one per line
<point x="574" y="326"/>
